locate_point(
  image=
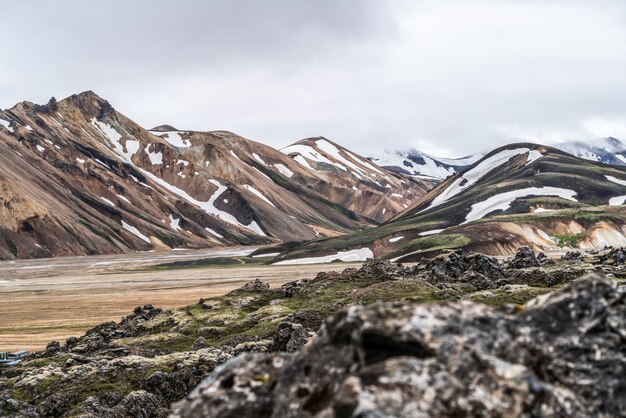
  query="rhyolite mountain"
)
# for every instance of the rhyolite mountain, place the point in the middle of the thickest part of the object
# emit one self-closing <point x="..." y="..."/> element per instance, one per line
<point x="78" y="177"/>
<point x="520" y="194"/>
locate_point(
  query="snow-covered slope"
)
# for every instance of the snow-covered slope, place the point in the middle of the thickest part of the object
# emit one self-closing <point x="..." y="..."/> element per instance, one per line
<point x="421" y="165"/>
<point x="607" y="150"/>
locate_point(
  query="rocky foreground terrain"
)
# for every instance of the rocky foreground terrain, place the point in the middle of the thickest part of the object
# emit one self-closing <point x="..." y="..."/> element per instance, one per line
<point x="460" y="334"/>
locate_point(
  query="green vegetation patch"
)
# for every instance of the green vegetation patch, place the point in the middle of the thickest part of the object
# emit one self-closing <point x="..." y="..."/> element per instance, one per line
<point x="431" y="243"/>
<point x="568" y="240"/>
<point x="208" y="262"/>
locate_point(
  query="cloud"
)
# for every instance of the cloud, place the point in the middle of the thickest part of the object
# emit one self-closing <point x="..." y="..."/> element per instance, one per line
<point x="450" y="77"/>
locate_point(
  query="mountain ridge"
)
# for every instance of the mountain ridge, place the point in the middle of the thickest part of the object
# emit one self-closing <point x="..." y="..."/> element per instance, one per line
<point x="106" y="185"/>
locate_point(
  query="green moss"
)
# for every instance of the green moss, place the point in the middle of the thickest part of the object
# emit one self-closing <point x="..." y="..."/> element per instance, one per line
<point x="568" y="240"/>
<point x="517" y="295"/>
<point x="431" y="243"/>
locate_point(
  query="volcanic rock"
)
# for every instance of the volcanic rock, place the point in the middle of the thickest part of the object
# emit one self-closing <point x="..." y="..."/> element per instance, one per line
<point x="560" y="356"/>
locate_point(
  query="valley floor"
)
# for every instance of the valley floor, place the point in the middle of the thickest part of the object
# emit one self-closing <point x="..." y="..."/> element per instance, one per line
<point x="52" y="299"/>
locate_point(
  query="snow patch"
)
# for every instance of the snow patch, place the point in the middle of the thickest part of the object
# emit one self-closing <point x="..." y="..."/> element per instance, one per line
<point x="542" y="210"/>
<point x="284" y="170"/>
<point x="503" y="201"/>
<point x="6" y="124"/>
<point x="123" y="198"/>
<point x="40" y="148"/>
<point x="173" y="138"/>
<point x="234" y="155"/>
<point x="259" y="159"/>
<point x="107" y="201"/>
<point x="395" y="239"/>
<point x="616" y="180"/>
<point x="431" y="232"/>
<point x="155" y="157"/>
<point x="302" y="161"/>
<point x="617" y="200"/>
<point x="258" y="194"/>
<point x="174" y="222"/>
<point x="132" y="146"/>
<point x="360" y="254"/>
<point x="135" y="232"/>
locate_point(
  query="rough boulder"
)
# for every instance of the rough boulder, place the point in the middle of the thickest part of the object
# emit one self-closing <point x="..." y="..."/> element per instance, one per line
<point x="560" y="355"/>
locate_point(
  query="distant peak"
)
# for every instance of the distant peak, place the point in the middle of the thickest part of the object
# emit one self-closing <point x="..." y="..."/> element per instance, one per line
<point x="164" y="128"/>
<point x="613" y="141"/>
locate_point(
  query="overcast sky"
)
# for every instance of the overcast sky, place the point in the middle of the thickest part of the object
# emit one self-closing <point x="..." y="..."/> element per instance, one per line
<point x="446" y="77"/>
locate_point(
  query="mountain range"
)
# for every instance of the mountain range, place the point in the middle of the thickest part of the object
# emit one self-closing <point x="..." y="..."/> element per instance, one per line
<point x="416" y="163"/>
<point x="77" y="177"/>
<point x="520" y="194"/>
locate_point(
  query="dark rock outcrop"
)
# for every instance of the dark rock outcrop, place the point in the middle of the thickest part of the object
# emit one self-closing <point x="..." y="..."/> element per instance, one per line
<point x="524" y="257"/>
<point x="562" y="355"/>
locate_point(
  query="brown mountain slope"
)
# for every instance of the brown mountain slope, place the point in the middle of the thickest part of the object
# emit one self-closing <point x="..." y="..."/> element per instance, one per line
<point x="381" y="194"/>
<point x="78" y="177"/>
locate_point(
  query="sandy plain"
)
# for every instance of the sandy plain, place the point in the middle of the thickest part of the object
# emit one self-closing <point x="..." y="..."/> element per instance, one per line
<point x="52" y="299"/>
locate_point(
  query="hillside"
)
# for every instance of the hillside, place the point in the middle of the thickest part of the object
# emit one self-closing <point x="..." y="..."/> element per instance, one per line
<point x="521" y="194"/>
<point x="78" y="177"/>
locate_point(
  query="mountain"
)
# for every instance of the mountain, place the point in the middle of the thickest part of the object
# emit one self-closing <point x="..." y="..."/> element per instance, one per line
<point x="381" y="192"/>
<point x="78" y="177"/>
<point x="607" y="150"/>
<point x="520" y="194"/>
<point x="416" y="163"/>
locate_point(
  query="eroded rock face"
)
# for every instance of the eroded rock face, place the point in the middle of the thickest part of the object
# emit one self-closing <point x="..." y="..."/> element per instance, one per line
<point x="562" y="355"/>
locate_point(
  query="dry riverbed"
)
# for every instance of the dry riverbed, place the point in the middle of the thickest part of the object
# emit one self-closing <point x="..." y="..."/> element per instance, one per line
<point x="52" y="299"/>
